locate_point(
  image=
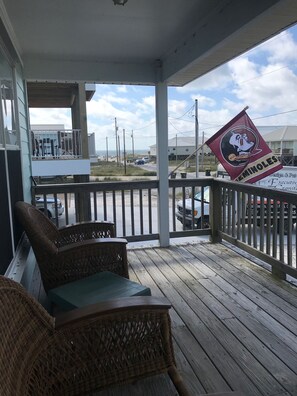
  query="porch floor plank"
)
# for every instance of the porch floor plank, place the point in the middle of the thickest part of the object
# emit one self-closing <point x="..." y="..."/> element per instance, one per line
<point x="234" y="325"/>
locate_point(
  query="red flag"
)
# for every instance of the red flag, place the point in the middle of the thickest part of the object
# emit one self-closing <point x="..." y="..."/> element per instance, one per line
<point x="242" y="151"/>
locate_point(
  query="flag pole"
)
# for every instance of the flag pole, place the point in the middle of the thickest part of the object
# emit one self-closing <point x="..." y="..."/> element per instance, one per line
<point x="188" y="157"/>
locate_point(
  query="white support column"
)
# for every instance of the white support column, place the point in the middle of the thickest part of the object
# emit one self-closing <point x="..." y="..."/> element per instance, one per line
<point x="162" y="161"/>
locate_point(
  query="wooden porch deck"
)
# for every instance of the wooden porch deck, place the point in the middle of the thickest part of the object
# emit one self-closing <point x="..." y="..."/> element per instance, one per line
<point x="234" y="325"/>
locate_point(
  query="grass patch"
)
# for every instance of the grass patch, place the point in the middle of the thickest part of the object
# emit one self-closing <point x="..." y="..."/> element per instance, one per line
<point x="112" y="169"/>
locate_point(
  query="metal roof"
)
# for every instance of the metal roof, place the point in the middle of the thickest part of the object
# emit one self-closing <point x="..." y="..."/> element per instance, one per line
<point x="284" y="133"/>
<point x="142" y="42"/>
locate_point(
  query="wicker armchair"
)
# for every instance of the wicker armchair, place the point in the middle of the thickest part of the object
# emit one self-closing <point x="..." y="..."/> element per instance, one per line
<point x="73" y="252"/>
<point x="85" y="350"/>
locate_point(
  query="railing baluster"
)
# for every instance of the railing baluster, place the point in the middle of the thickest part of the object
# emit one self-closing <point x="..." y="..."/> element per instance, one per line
<point x="66" y="208"/>
<point x="224" y="203"/>
<point x="123" y="213"/>
<point x="243" y="217"/>
<point x="233" y="213"/>
<point x="184" y="209"/>
<point x="173" y="209"/>
<point x="95" y="205"/>
<point x="289" y="235"/>
<point x="132" y="212"/>
<point x="192" y="207"/>
<point x="238" y="221"/>
<point x="104" y="206"/>
<point x="150" y="211"/>
<point x="249" y="219"/>
<point x="281" y="231"/>
<point x="141" y="210"/>
<point x="114" y="206"/>
<point x="202" y="208"/>
<point x="229" y="210"/>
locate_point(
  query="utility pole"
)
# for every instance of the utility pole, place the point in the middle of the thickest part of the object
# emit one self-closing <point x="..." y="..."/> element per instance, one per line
<point x="176" y="149"/>
<point x="107" y="148"/>
<point x="196" y="138"/>
<point x="202" y="151"/>
<point x="132" y="144"/>
<point x="119" y="147"/>
<point x="116" y="137"/>
<point x="124" y="153"/>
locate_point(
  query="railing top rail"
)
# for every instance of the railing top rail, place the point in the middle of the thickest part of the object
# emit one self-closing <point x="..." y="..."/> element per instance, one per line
<point x="200" y="182"/>
<point x="118" y="185"/>
<point x="94" y="186"/>
<point x="47" y="131"/>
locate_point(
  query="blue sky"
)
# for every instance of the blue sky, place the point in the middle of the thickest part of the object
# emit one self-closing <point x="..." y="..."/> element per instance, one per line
<point x="265" y="79"/>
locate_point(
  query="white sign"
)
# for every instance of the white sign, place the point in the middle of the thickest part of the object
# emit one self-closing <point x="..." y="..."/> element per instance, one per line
<point x="284" y="179"/>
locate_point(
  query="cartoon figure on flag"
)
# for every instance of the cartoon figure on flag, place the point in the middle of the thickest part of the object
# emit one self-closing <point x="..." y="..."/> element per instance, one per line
<point x="242" y="151"/>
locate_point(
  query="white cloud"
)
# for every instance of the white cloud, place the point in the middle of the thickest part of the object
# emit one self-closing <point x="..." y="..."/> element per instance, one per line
<point x="281" y="49"/>
<point x="267" y="90"/>
<point x="204" y="100"/>
<point x="51" y="116"/>
<point x="176" y="107"/>
<point x="122" y="89"/>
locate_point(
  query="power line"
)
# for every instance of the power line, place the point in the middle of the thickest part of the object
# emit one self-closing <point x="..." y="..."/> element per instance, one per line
<point x="188" y="111"/>
<point x="263" y="74"/>
<point x="272" y="115"/>
<point x="143" y="127"/>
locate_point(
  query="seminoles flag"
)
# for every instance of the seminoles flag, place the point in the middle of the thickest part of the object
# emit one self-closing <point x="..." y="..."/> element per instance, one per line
<point x="242" y="151"/>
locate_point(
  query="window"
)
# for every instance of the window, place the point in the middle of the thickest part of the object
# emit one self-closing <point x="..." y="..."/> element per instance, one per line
<point x="287" y="148"/>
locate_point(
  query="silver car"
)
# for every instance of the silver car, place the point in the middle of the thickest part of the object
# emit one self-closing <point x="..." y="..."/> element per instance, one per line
<point x="50" y="207"/>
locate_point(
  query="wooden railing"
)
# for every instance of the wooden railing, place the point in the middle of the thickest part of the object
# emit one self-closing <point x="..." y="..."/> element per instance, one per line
<point x="54" y="144"/>
<point x="260" y="221"/>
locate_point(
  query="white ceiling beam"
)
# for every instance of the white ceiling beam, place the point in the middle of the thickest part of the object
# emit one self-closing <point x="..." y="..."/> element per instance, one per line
<point x="90" y="72"/>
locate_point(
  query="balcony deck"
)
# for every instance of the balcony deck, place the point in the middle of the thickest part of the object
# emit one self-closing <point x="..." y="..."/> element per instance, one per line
<point x="234" y="325"/>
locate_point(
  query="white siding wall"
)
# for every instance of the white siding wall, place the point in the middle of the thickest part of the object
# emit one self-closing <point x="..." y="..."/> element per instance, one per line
<point x="23" y="120"/>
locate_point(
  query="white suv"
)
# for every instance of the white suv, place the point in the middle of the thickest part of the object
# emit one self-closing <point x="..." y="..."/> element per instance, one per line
<point x="50" y="206"/>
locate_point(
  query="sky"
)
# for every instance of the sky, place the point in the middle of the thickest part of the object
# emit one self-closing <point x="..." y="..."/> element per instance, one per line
<point x="264" y="79"/>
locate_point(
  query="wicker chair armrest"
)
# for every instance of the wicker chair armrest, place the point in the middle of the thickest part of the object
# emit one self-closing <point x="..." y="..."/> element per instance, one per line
<point x="93" y="349"/>
<point x="81" y="259"/>
<point x="83" y="245"/>
<point x="110" y="307"/>
<point x="85" y="230"/>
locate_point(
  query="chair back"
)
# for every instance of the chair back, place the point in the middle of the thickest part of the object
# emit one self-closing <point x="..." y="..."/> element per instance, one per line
<point x="42" y="233"/>
<point x="24" y="328"/>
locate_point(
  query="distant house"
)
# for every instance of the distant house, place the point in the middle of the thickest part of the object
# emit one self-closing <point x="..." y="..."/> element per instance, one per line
<point x="181" y="147"/>
<point x="283" y="141"/>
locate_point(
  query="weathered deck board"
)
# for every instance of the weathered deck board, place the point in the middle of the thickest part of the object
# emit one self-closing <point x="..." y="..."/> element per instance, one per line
<point x="234" y="325"/>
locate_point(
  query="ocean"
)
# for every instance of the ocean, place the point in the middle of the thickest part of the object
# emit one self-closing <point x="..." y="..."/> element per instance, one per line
<point x="113" y="153"/>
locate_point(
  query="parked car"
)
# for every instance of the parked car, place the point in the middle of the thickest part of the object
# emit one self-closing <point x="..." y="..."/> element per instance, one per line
<point x="145" y="160"/>
<point x="139" y="162"/>
<point x="50" y="206"/>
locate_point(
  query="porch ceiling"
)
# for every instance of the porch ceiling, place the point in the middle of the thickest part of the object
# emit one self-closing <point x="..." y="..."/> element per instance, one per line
<point x="48" y="94"/>
<point x="142" y="42"/>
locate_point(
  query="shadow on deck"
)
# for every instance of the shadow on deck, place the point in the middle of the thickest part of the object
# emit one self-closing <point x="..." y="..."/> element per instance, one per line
<point x="234" y="324"/>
